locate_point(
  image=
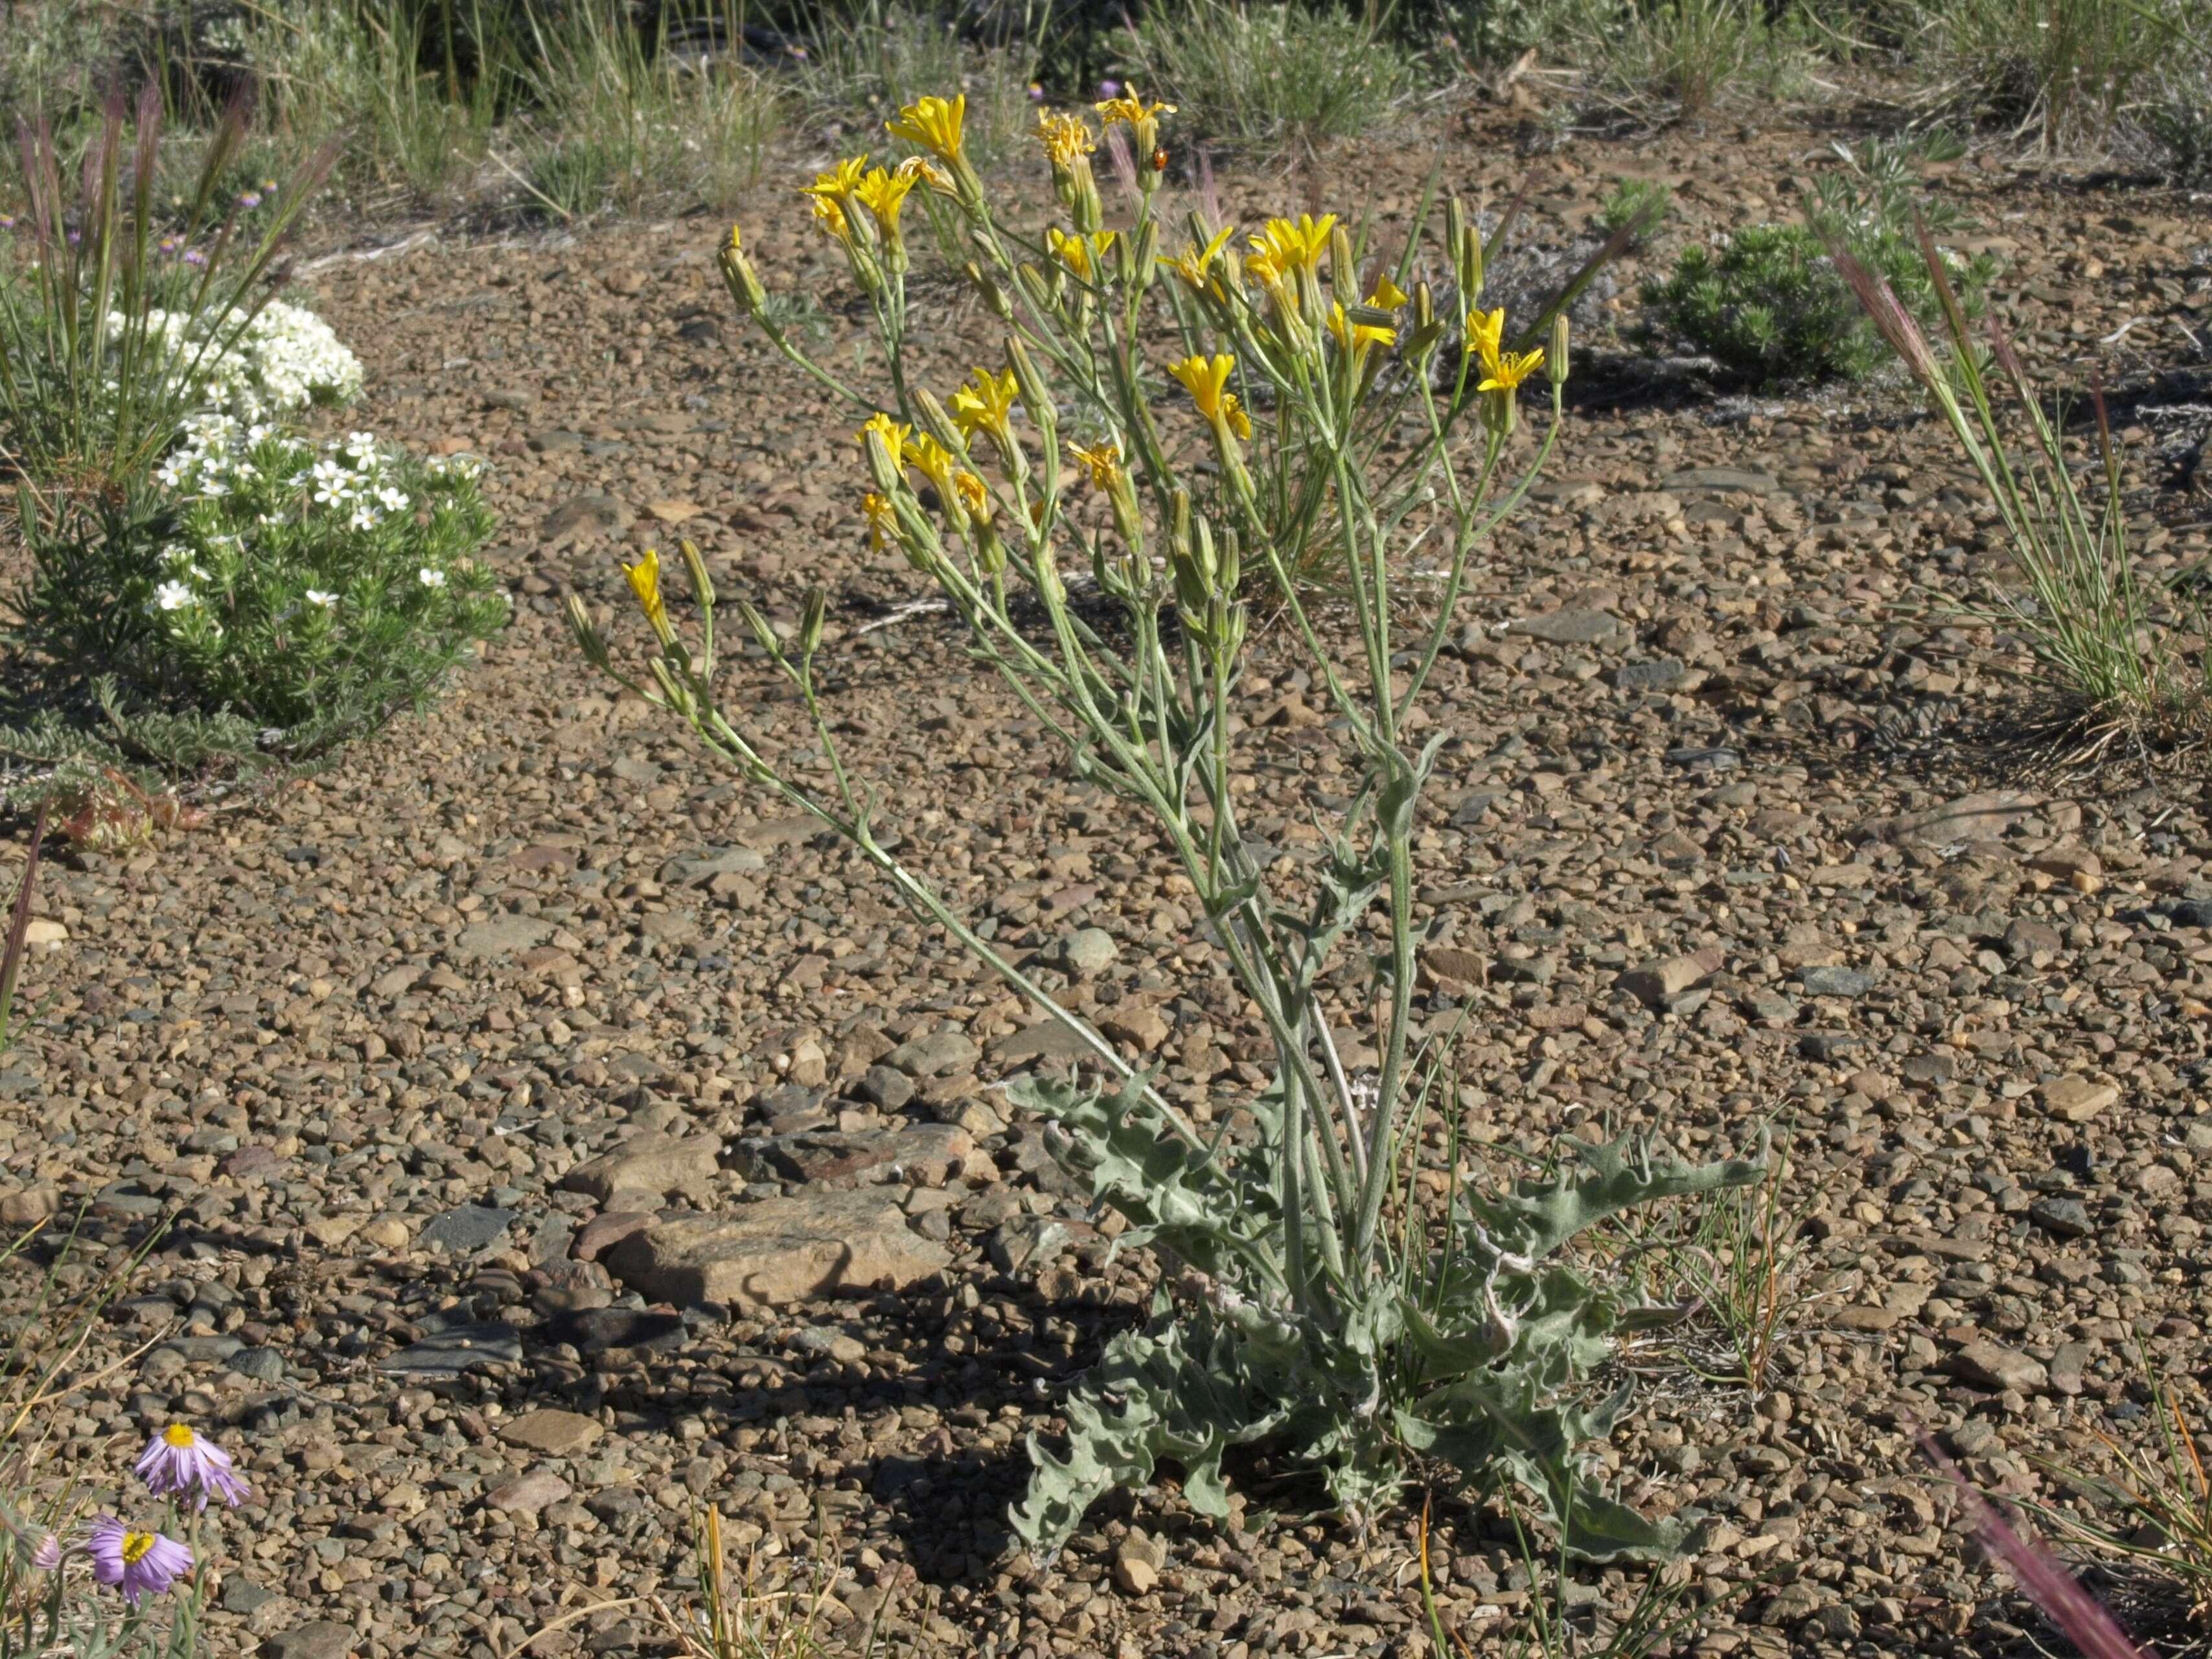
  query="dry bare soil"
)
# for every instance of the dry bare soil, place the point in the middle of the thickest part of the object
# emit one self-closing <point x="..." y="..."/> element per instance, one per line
<point x="508" y="1076"/>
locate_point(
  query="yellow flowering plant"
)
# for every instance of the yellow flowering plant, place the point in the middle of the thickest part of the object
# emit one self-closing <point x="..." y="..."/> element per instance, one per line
<point x="1242" y="402"/>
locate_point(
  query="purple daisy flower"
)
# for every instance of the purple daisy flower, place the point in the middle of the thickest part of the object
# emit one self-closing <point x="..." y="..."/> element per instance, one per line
<point x="139" y="1564"/>
<point x="179" y="1460"/>
<point x="47" y="1558"/>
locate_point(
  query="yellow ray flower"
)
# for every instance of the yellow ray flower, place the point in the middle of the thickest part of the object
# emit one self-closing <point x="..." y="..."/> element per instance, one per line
<point x="882" y="523"/>
<point x="883" y="194"/>
<point x="1387" y="296"/>
<point x="1103" y="459"/>
<point x="1193" y="264"/>
<point x="1131" y="108"/>
<point x="973" y="495"/>
<point x="986" y="405"/>
<point x="934" y="462"/>
<point x="896" y="438"/>
<point x="737" y="242"/>
<point x="829" y="218"/>
<point x="932" y="122"/>
<point x="916" y="169"/>
<point x="1207" y="383"/>
<point x="840" y="182"/>
<point x="1510" y="368"/>
<point x="645" y="582"/>
<point x="1080" y="254"/>
<point x="1291" y="245"/>
<point x="1066" y="139"/>
<point x="1485" y="333"/>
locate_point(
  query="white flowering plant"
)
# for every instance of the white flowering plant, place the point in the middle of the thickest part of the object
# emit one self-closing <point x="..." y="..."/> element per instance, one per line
<point x="311" y="589"/>
<point x="283" y="358"/>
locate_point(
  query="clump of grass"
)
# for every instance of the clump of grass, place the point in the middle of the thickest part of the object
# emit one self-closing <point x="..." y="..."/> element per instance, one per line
<point x="2175" y="121"/>
<point x="1270" y="75"/>
<point x="1686" y="58"/>
<point x="2113" y="658"/>
<point x="867" y="61"/>
<point x="2065" y="71"/>
<point x="623" y="121"/>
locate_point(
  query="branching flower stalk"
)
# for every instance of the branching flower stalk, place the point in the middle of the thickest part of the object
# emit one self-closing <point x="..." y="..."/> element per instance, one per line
<point x="1239" y="409"/>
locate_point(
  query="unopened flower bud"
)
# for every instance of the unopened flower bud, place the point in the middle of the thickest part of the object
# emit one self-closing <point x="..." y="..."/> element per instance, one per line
<point x="703" y="586"/>
<point x="1555" y="354"/>
<point x="1147" y="255"/>
<point x="1037" y="396"/>
<point x="811" y="620"/>
<point x="935" y="422"/>
<point x="741" y="279"/>
<point x="1343" y="272"/>
<point x="589" y="640"/>
<point x="1469" y="261"/>
<point x="763" y="634"/>
<point x="882" y="465"/>
<point x="993" y="291"/>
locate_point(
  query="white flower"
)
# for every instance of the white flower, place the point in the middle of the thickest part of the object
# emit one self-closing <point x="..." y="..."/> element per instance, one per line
<point x="429" y="577"/>
<point x="391" y="499"/>
<point x="173" y="596"/>
<point x="327" y="601"/>
<point x="364" y="517"/>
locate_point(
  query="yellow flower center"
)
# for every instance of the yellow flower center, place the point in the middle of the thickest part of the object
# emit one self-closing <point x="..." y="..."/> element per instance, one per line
<point x="135" y="1545"/>
<point x="177" y="1436"/>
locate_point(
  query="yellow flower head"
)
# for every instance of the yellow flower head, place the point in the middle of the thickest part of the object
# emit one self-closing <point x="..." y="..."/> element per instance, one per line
<point x="986" y="405"/>
<point x="973" y="495"/>
<point x="1288" y="247"/>
<point x="829" y="218"/>
<point x="1356" y="338"/>
<point x="840" y="182"/>
<point x="1076" y="251"/>
<point x="1387" y="296"/>
<point x="1066" y="139"/>
<point x="645" y="582"/>
<point x="1103" y="459"/>
<point x="883" y="194"/>
<point x="1207" y="383"/>
<point x="896" y="438"/>
<point x="934" y="462"/>
<point x="882" y="523"/>
<point x="1131" y="108"/>
<point x="1510" y="368"/>
<point x="1193" y="264"/>
<point x="932" y="122"/>
<point x="1485" y="333"/>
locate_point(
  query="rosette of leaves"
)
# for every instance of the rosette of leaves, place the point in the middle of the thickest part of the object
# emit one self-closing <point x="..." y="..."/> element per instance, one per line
<point x="309" y="591"/>
<point x="1463" y="1352"/>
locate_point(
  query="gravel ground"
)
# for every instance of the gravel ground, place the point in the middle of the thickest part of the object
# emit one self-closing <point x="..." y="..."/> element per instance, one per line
<point x="544" y="1125"/>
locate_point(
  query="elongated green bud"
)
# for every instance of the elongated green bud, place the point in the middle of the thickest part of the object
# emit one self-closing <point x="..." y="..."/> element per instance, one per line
<point x="589" y="640"/>
<point x="1343" y="273"/>
<point x="763" y="635"/>
<point x="703" y="586"/>
<point x="1146" y="254"/>
<point x="936" y="421"/>
<point x="1469" y="258"/>
<point x="996" y="300"/>
<point x="1455" y="227"/>
<point x="1037" y="394"/>
<point x="883" y="467"/>
<point x="1232" y="565"/>
<point x="811" y="620"/>
<point x="1555" y="354"/>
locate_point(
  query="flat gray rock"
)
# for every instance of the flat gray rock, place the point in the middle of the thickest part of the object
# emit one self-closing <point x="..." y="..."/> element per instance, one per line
<point x="459" y="1348"/>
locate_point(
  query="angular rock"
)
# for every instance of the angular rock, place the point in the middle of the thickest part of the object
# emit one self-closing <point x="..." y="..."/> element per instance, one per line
<point x="465" y="1228"/>
<point x="938" y="1055"/>
<point x="553" y="1434"/>
<point x="2077" y="1098"/>
<point x="658" y="1164"/>
<point x="529" y="1493"/>
<point x="326" y="1638"/>
<point x="778" y="1251"/>
<point x="1656" y="981"/>
<point x="927" y="1154"/>
<point x="1993" y="1366"/>
<point x="1087" y="950"/>
<point x="1567" y="627"/>
<point x="459" y="1348"/>
<point x="603" y="1232"/>
<point x="1983" y="815"/>
<point x="1835" y="981"/>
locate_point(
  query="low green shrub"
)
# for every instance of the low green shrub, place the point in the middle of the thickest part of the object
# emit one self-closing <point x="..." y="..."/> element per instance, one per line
<point x="1769" y="303"/>
<point x="1270" y="75"/>
<point x="313" y="592"/>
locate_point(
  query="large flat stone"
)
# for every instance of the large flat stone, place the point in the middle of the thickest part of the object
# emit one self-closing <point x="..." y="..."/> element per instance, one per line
<point x="659" y="1165"/>
<point x="1981" y="817"/>
<point x="778" y="1251"/>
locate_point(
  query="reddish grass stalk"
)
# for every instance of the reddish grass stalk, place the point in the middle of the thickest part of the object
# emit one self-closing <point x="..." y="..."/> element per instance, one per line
<point x="2056" y="1591"/>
